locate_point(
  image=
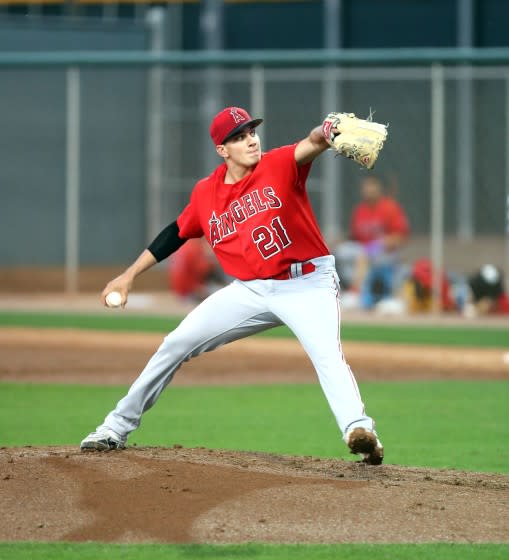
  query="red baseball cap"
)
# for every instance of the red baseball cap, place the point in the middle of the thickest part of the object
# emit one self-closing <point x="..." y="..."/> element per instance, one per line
<point x="229" y="122"/>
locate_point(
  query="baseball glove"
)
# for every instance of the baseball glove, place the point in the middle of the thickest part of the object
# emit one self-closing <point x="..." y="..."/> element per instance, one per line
<point x="354" y="138"/>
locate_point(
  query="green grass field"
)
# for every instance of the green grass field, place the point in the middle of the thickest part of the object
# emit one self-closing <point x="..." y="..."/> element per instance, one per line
<point x="442" y="424"/>
<point x="65" y="551"/>
<point x="439" y="424"/>
<point x="407" y="334"/>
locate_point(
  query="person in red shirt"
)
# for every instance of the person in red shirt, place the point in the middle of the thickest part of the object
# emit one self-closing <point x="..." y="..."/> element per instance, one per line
<point x="193" y="271"/>
<point x="378" y="230"/>
<point x="254" y="211"/>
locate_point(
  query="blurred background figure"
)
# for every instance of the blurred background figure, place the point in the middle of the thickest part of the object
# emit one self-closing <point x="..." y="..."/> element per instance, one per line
<point x="487" y="293"/>
<point x="480" y="293"/>
<point x="417" y="289"/>
<point x="368" y="263"/>
<point x="193" y="271"/>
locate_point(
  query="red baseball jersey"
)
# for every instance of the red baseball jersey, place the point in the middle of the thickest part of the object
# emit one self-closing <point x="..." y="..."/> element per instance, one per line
<point x="261" y="225"/>
<point x="371" y="222"/>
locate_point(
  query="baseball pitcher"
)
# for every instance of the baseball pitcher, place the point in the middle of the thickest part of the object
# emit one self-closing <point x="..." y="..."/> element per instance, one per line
<point x="254" y="211"/>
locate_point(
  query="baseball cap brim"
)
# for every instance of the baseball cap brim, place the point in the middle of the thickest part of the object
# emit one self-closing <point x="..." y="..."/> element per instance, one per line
<point x="252" y="123"/>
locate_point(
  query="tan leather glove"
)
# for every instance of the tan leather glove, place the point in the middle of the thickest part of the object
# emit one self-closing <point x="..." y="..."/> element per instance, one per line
<point x="354" y="138"/>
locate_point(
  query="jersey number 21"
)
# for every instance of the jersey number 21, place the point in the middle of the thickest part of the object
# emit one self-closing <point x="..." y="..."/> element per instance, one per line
<point x="271" y="240"/>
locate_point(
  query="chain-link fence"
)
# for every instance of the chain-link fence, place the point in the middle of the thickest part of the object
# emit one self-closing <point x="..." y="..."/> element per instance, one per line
<point x="96" y="159"/>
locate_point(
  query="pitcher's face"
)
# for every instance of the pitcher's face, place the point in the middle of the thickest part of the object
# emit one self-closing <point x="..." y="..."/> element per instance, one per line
<point x="243" y="149"/>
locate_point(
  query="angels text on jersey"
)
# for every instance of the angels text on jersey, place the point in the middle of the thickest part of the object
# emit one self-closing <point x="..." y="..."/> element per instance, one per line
<point x="269" y="239"/>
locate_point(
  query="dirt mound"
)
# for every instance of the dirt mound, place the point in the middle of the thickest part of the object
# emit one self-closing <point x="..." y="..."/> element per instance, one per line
<point x="199" y="495"/>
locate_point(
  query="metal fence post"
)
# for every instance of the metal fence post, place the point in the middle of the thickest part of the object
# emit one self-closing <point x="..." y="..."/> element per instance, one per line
<point x="212" y="27"/>
<point x="155" y="92"/>
<point x="332" y="183"/>
<point x="258" y="97"/>
<point x="465" y="161"/>
<point x="437" y="180"/>
<point x="464" y="141"/>
<point x="72" y="183"/>
<point x="506" y="264"/>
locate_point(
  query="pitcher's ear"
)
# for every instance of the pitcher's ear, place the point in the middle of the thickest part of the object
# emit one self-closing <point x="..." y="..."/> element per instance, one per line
<point x="221" y="151"/>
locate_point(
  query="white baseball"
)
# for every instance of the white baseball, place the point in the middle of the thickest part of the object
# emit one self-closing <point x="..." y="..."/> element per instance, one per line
<point x="114" y="299"/>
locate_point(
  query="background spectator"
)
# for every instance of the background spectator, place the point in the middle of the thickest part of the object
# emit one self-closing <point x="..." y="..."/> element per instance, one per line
<point x="417" y="290"/>
<point x="368" y="262"/>
<point x="487" y="293"/>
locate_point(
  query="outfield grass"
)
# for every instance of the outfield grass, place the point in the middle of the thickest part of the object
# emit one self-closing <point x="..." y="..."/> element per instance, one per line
<point x="407" y="334"/>
<point x="65" y="551"/>
<point x="436" y="424"/>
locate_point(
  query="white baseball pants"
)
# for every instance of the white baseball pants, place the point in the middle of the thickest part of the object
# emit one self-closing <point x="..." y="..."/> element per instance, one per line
<point x="308" y="304"/>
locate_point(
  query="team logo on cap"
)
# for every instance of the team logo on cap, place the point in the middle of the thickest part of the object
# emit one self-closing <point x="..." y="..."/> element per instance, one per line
<point x="236" y="116"/>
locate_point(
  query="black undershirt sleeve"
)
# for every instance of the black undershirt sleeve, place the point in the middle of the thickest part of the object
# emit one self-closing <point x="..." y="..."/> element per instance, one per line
<point x="167" y="242"/>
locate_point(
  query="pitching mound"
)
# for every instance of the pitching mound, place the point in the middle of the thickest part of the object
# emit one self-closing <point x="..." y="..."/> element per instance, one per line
<point x="199" y="495"/>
